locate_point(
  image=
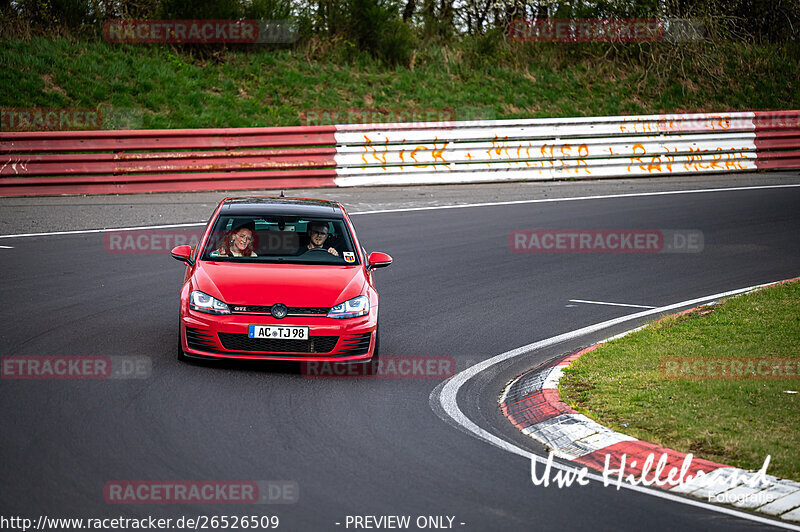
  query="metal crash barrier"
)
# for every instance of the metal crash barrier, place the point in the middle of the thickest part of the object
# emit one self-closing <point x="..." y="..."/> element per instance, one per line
<point x="101" y="162"/>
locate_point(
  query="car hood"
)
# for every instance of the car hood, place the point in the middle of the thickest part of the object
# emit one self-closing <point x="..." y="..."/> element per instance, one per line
<point x="293" y="285"/>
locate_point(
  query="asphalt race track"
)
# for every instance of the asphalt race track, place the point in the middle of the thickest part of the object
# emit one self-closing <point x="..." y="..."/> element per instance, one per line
<point x="357" y="446"/>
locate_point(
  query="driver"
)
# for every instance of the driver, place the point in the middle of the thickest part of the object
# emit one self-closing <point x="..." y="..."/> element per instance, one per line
<point x="317" y="235"/>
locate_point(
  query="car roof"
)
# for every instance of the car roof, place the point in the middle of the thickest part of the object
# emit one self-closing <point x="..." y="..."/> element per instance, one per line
<point x="280" y="207"/>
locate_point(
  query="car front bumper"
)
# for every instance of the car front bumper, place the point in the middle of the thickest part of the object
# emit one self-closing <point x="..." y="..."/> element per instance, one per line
<point x="226" y="337"/>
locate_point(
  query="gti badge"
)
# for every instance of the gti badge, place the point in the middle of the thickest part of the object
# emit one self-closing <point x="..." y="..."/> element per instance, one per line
<point x="279" y="310"/>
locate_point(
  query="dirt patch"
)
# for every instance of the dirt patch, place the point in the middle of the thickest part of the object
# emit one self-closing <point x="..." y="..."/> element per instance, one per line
<point x="50" y="86"/>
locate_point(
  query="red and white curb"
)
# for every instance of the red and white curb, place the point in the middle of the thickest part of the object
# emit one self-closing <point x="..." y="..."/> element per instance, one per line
<point x="532" y="403"/>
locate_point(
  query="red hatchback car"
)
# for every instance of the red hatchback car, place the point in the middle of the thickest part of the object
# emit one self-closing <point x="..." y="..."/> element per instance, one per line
<point x="279" y="279"/>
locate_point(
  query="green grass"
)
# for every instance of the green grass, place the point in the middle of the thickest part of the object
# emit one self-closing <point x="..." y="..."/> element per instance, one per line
<point x="152" y="86"/>
<point x="738" y="422"/>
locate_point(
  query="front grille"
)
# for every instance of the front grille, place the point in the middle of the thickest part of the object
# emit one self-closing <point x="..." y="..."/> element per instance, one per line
<point x="200" y="341"/>
<point x="356" y="345"/>
<point x="267" y="309"/>
<point x="300" y="311"/>
<point x="242" y="342"/>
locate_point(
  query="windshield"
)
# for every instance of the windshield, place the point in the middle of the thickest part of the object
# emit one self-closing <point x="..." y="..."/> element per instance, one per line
<point x="280" y="239"/>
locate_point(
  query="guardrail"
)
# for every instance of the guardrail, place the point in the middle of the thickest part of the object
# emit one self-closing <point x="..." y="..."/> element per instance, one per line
<point x="104" y="162"/>
<point x="79" y="162"/>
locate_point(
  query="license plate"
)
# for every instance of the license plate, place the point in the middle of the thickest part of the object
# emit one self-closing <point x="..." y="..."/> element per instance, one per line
<point x="278" y="332"/>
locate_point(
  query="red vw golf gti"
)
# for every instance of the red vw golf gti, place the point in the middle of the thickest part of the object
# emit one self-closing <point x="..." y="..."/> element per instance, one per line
<point x="279" y="279"/>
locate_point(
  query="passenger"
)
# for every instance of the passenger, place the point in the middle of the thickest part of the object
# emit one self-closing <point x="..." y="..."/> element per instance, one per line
<point x="317" y="235"/>
<point x="239" y="242"/>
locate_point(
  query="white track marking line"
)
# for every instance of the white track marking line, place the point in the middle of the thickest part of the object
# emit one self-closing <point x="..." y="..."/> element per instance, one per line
<point x="577" y="198"/>
<point x="443" y="402"/>
<point x="6" y="247"/>
<point x="89" y="231"/>
<point x="610" y="304"/>
<point x="437" y="207"/>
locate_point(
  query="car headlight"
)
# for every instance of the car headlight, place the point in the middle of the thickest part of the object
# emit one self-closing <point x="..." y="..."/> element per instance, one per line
<point x="202" y="302"/>
<point x="358" y="306"/>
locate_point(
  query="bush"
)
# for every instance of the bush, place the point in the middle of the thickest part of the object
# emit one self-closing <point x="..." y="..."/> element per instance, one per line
<point x="268" y="9"/>
<point x="397" y="44"/>
<point x="49" y="14"/>
<point x="491" y="44"/>
<point x="200" y="9"/>
<point x="377" y="28"/>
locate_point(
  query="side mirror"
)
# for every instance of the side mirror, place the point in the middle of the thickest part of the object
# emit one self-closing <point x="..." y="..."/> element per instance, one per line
<point x="183" y="254"/>
<point x="378" y="259"/>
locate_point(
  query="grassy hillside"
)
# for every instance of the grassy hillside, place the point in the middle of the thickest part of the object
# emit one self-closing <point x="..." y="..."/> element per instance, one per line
<point x="156" y="86"/>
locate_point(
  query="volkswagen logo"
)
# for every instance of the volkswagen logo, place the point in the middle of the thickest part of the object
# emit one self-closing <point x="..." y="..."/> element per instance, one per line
<point x="279" y="310"/>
